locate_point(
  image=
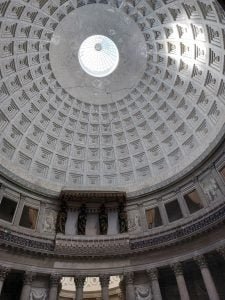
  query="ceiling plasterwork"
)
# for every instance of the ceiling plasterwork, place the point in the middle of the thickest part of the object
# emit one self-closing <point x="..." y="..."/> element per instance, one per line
<point x="155" y="117"/>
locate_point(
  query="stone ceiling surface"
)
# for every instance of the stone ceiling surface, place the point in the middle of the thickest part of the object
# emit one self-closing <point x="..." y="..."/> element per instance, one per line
<point x="155" y="117"/>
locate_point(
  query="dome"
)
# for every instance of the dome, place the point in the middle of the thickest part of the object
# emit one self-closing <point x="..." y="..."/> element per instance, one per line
<point x="156" y="114"/>
<point x="112" y="149"/>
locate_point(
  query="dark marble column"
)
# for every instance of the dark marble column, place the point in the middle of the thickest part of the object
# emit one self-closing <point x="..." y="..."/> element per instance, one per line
<point x="178" y="271"/>
<point x="27" y="282"/>
<point x="153" y="276"/>
<point x="54" y="286"/>
<point x="129" y="281"/>
<point x="104" y="281"/>
<point x="79" y="283"/>
<point x="207" y="277"/>
<point x="3" y="274"/>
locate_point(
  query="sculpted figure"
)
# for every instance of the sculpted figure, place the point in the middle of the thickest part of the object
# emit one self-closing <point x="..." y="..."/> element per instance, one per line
<point x="122" y="216"/>
<point x="61" y="218"/>
<point x="82" y="219"/>
<point x="103" y="220"/>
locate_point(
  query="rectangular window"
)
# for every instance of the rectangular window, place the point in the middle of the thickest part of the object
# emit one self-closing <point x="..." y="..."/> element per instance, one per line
<point x="173" y="211"/>
<point x="7" y="209"/>
<point x="153" y="217"/>
<point x="29" y="217"/>
<point x="193" y="201"/>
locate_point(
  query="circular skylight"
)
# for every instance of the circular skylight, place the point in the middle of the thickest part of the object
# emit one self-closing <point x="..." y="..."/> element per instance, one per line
<point x="98" y="56"/>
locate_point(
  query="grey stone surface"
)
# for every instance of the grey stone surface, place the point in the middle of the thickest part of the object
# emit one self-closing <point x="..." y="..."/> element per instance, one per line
<point x="169" y="119"/>
<point x="103" y="20"/>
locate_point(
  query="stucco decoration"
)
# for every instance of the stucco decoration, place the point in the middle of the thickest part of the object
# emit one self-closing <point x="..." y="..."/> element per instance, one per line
<point x="91" y="283"/>
<point x="210" y="187"/>
<point x="134" y="221"/>
<point x="38" y="294"/>
<point x="143" y="293"/>
<point x="50" y="220"/>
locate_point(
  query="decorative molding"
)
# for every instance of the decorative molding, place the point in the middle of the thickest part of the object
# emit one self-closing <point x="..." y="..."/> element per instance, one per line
<point x="92" y="196"/>
<point x="24" y="242"/>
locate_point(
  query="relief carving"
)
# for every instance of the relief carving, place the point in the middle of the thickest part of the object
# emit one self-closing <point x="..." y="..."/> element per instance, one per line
<point x="143" y="293"/>
<point x="210" y="187"/>
<point x="134" y="222"/>
<point x="38" y="294"/>
<point x="50" y="221"/>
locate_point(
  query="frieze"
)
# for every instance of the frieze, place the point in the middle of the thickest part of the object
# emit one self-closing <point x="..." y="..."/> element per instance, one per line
<point x="24" y="242"/>
<point x="91" y="196"/>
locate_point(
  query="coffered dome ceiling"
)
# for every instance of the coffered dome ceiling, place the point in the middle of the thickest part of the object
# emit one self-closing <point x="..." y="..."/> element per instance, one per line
<point x="155" y="117"/>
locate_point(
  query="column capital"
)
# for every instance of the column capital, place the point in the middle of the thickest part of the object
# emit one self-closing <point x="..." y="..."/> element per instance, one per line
<point x="104" y="280"/>
<point x="201" y="261"/>
<point x="221" y="251"/>
<point x="153" y="273"/>
<point x="129" y="277"/>
<point x="4" y="271"/>
<point x="177" y="268"/>
<point x="55" y="279"/>
<point x="28" y="278"/>
<point x="79" y="281"/>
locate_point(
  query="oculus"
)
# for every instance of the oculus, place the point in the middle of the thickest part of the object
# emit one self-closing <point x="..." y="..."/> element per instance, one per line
<point x="98" y="56"/>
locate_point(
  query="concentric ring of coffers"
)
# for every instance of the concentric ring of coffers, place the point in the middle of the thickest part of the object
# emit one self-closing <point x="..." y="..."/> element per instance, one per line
<point x="167" y="123"/>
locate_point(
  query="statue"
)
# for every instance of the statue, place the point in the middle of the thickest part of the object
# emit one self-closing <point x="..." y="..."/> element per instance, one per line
<point x="61" y="218"/>
<point x="103" y="220"/>
<point x="82" y="219"/>
<point x="122" y="216"/>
